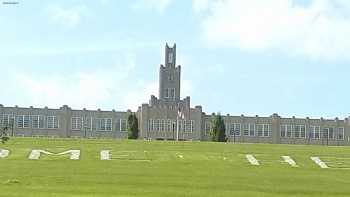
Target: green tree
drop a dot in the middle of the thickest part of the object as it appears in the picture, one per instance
(218, 129)
(3, 135)
(133, 126)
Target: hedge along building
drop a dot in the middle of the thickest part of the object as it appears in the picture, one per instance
(170, 117)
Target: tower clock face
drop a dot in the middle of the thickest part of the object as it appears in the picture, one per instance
(170, 57)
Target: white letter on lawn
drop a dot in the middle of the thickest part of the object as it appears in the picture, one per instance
(319, 162)
(290, 161)
(105, 155)
(4, 153)
(252, 160)
(35, 154)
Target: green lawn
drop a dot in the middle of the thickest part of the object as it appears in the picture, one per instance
(142, 168)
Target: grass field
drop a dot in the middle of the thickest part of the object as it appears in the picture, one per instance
(160, 168)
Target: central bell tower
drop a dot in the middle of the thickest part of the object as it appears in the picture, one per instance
(169, 76)
(168, 116)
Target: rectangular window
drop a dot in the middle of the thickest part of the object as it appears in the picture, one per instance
(52, 122)
(192, 126)
(207, 128)
(38, 122)
(35, 122)
(173, 125)
(296, 131)
(169, 125)
(328, 133)
(5, 120)
(331, 133)
(162, 125)
(123, 125)
(302, 131)
(166, 93)
(104, 124)
(263, 130)
(26, 121)
(325, 133)
(266, 130)
(340, 133)
(109, 124)
(283, 130)
(314, 132)
(157, 125)
(260, 129)
(101, 126)
(19, 121)
(289, 130)
(299, 131)
(8, 120)
(150, 125)
(251, 129)
(23, 121)
(231, 129)
(76, 123)
(317, 132)
(235, 129)
(188, 126)
(286, 130)
(184, 125)
(246, 129)
(172, 92)
(153, 125)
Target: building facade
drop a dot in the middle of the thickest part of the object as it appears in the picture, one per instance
(168, 117)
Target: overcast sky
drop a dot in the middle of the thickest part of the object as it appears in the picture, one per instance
(249, 57)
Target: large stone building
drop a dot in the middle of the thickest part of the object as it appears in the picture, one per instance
(169, 117)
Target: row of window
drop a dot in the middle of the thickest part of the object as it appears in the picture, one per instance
(169, 93)
(249, 129)
(102, 124)
(286, 131)
(26, 121)
(52, 122)
(168, 125)
(299, 131)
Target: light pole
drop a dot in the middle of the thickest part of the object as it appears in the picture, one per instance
(173, 130)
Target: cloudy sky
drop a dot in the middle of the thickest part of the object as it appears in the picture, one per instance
(238, 56)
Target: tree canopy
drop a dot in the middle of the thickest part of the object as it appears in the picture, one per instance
(133, 126)
(3, 135)
(218, 129)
